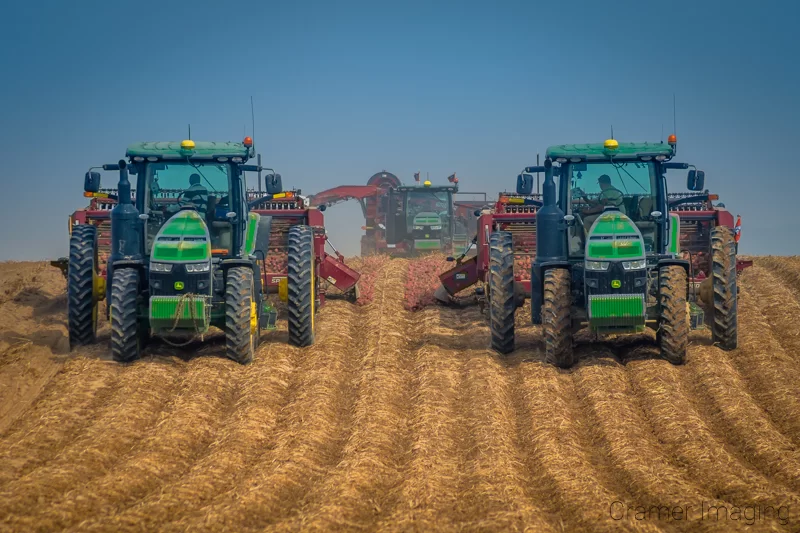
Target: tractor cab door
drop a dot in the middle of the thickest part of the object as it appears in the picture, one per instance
(396, 217)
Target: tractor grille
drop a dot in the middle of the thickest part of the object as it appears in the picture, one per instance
(610, 311)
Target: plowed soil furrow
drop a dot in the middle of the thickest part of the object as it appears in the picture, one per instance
(560, 453)
(309, 437)
(622, 430)
(113, 433)
(241, 441)
(687, 438)
(400, 421)
(429, 490)
(363, 485)
(738, 419)
(769, 344)
(497, 492)
(187, 426)
(63, 411)
(787, 269)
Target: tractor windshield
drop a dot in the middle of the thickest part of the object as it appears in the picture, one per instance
(428, 208)
(630, 186)
(204, 186)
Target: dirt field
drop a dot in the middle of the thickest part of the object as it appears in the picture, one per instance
(400, 421)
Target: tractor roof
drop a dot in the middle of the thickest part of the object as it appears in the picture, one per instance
(600, 152)
(432, 188)
(172, 150)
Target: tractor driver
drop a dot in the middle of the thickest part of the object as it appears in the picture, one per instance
(609, 196)
(196, 194)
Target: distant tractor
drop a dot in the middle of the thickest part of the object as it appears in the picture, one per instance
(607, 252)
(185, 253)
(405, 219)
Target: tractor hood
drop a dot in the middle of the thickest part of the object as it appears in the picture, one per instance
(614, 237)
(183, 238)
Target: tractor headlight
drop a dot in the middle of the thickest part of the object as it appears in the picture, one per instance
(436, 228)
(634, 265)
(419, 227)
(197, 267)
(160, 267)
(597, 265)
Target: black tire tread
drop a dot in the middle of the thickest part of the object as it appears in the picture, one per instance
(80, 285)
(724, 326)
(502, 304)
(239, 344)
(125, 339)
(557, 319)
(673, 331)
(301, 300)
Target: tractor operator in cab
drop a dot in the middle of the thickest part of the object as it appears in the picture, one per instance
(196, 194)
(609, 195)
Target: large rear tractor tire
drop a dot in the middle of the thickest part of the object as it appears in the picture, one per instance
(501, 291)
(724, 326)
(673, 330)
(241, 316)
(302, 284)
(126, 338)
(81, 303)
(557, 318)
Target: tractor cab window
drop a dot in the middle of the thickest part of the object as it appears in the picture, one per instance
(428, 208)
(630, 186)
(172, 186)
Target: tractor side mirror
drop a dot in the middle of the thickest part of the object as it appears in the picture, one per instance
(524, 184)
(274, 185)
(695, 180)
(91, 183)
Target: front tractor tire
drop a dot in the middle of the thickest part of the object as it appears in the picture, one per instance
(501, 291)
(81, 302)
(301, 284)
(724, 327)
(673, 330)
(241, 320)
(126, 338)
(556, 318)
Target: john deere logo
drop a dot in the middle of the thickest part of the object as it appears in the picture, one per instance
(616, 284)
(179, 285)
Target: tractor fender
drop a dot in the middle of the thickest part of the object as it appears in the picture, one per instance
(683, 263)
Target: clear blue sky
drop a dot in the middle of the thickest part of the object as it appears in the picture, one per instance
(345, 89)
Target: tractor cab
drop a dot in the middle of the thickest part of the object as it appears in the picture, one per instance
(422, 217)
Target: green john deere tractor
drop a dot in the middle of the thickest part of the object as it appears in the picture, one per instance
(607, 253)
(185, 253)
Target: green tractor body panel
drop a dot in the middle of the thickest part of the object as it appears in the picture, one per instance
(427, 244)
(184, 237)
(599, 151)
(251, 234)
(614, 237)
(615, 295)
(173, 150)
(174, 313)
(674, 244)
(183, 242)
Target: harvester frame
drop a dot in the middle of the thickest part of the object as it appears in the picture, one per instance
(174, 279)
(493, 264)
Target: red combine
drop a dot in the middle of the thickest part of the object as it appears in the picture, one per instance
(287, 209)
(516, 213)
